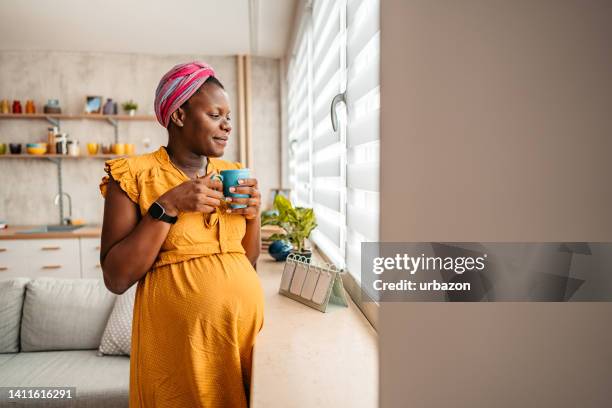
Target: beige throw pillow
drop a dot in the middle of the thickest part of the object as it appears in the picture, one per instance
(117, 337)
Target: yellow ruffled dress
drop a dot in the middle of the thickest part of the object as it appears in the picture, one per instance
(199, 309)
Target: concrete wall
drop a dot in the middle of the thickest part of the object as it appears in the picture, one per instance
(30, 185)
(266, 124)
(495, 126)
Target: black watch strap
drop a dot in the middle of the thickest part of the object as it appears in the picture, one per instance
(159, 213)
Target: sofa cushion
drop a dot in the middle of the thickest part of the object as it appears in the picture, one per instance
(5, 358)
(117, 337)
(11, 305)
(64, 314)
(99, 381)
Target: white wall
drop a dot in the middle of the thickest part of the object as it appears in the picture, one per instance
(29, 186)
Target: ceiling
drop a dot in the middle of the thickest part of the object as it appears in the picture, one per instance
(206, 27)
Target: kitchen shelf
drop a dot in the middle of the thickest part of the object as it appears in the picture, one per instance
(60, 156)
(62, 116)
(55, 118)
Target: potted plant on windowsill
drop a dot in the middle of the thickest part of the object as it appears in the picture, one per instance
(130, 107)
(297, 222)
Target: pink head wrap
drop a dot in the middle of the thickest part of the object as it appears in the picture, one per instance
(177, 86)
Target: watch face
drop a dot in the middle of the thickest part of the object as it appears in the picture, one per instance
(156, 210)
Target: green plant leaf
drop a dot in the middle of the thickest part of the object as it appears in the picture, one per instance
(297, 222)
(279, 237)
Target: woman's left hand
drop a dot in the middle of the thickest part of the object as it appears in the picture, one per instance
(247, 186)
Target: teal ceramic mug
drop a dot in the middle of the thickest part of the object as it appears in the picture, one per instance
(230, 178)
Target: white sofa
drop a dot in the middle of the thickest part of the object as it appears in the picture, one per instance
(50, 330)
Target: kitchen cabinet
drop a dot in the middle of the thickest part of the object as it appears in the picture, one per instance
(52, 257)
(90, 258)
(56, 257)
(12, 258)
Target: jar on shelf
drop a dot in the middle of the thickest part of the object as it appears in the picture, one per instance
(5, 106)
(73, 148)
(16, 106)
(61, 143)
(30, 107)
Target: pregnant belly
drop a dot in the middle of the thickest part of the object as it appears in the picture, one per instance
(221, 286)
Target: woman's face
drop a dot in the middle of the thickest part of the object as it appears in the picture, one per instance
(207, 123)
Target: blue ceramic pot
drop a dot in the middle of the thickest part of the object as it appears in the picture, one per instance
(280, 250)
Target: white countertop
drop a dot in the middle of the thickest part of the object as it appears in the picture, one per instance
(305, 358)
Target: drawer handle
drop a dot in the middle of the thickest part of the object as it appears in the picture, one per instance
(97, 248)
(3, 268)
(98, 266)
(52, 266)
(51, 248)
(3, 249)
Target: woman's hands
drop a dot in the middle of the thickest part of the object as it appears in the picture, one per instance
(247, 186)
(200, 195)
(206, 194)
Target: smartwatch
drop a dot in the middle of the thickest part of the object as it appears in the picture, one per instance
(159, 213)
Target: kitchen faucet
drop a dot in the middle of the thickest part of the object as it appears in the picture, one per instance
(56, 201)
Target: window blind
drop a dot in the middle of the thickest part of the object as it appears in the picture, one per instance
(298, 113)
(336, 172)
(328, 146)
(363, 128)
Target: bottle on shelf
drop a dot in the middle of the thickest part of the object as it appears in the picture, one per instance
(108, 107)
(51, 132)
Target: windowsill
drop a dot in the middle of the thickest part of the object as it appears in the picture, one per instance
(305, 358)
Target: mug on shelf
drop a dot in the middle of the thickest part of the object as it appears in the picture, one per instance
(130, 149)
(119, 149)
(106, 148)
(3, 148)
(92, 148)
(15, 148)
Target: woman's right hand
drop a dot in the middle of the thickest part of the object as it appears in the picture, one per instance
(200, 195)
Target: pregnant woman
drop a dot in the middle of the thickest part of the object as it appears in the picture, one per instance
(199, 302)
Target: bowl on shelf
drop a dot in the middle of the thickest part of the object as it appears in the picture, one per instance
(36, 148)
